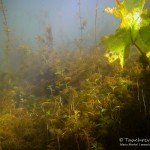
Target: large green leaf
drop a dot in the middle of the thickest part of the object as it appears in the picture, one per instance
(134, 30)
(128, 11)
(134, 5)
(117, 45)
(143, 37)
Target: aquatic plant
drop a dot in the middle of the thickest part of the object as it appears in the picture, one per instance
(81, 28)
(83, 23)
(133, 31)
(95, 28)
(7, 34)
(47, 40)
(73, 100)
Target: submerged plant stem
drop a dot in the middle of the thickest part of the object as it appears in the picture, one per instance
(81, 30)
(6, 30)
(95, 30)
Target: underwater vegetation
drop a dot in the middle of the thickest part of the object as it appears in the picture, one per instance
(79, 100)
